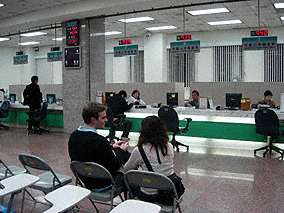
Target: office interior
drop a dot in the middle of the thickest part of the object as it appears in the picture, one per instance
(221, 66)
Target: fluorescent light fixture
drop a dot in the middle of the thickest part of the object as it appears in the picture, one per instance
(282, 18)
(58, 39)
(279, 5)
(138, 19)
(208, 11)
(112, 33)
(225, 22)
(169, 27)
(28, 43)
(33, 34)
(2, 5)
(4, 39)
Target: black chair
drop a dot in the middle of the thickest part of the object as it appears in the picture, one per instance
(170, 118)
(114, 123)
(4, 112)
(267, 123)
(35, 117)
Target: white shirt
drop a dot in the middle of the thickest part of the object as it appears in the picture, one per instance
(141, 102)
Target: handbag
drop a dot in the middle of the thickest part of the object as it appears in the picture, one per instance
(165, 196)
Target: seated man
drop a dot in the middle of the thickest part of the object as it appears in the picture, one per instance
(267, 100)
(194, 102)
(119, 105)
(86, 145)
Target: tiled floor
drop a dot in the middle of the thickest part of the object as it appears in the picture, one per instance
(219, 175)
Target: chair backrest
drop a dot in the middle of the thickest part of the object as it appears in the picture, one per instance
(8, 171)
(43, 111)
(5, 109)
(266, 122)
(170, 118)
(35, 162)
(90, 170)
(148, 179)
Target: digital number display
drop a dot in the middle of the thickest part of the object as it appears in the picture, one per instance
(72, 33)
(259, 33)
(124, 42)
(183, 37)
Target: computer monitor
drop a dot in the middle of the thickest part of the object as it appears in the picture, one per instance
(233, 100)
(51, 98)
(172, 99)
(12, 98)
(109, 95)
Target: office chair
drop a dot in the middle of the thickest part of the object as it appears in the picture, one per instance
(152, 180)
(113, 123)
(4, 112)
(170, 118)
(94, 170)
(49, 180)
(267, 123)
(35, 117)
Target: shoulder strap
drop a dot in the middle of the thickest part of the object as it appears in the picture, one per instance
(141, 150)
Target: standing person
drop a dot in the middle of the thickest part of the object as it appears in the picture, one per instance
(155, 142)
(86, 145)
(33, 98)
(119, 105)
(267, 100)
(135, 97)
(194, 102)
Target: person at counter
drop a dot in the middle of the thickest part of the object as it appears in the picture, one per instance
(194, 102)
(33, 98)
(119, 105)
(135, 97)
(2, 95)
(266, 101)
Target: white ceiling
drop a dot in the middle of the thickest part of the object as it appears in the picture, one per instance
(24, 15)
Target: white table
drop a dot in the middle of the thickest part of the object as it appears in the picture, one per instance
(66, 197)
(136, 206)
(16, 183)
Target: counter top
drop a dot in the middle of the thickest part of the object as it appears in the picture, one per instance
(50, 106)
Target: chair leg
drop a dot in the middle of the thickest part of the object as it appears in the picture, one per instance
(176, 144)
(269, 148)
(4, 126)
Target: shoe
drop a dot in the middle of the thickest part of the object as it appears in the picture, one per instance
(125, 139)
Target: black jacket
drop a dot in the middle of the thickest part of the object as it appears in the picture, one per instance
(119, 105)
(32, 96)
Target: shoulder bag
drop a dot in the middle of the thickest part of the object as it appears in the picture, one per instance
(165, 196)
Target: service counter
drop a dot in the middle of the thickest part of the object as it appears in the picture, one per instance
(17, 116)
(207, 123)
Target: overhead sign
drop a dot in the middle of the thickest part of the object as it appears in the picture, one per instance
(128, 50)
(54, 56)
(185, 47)
(21, 59)
(259, 43)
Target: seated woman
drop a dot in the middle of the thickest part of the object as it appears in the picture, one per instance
(267, 100)
(155, 142)
(135, 97)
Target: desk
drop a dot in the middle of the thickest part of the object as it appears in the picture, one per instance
(16, 183)
(17, 116)
(207, 123)
(66, 197)
(136, 206)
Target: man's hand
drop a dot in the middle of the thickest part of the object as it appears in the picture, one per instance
(121, 144)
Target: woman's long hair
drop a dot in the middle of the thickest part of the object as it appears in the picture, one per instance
(153, 131)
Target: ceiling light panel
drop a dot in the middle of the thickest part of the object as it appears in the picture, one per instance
(208, 11)
(28, 43)
(112, 33)
(4, 39)
(279, 5)
(1, 5)
(169, 27)
(33, 34)
(224, 22)
(137, 19)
